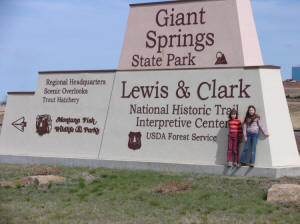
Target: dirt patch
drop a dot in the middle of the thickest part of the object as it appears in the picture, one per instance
(171, 187)
(291, 84)
(24, 182)
(44, 171)
(294, 109)
(33, 180)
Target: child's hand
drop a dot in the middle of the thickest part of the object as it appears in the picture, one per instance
(245, 139)
(240, 138)
(267, 135)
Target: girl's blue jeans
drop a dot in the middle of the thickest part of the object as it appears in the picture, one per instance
(251, 140)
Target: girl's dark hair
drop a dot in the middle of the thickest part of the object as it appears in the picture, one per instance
(250, 119)
(233, 111)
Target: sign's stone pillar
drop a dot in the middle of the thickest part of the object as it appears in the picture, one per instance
(190, 34)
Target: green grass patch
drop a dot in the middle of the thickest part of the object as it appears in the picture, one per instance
(123, 196)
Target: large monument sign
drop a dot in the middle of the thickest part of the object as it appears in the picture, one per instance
(183, 67)
(190, 34)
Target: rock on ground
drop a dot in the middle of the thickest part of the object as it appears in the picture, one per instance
(283, 193)
(86, 176)
(41, 180)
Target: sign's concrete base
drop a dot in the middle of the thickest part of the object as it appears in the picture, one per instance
(274, 172)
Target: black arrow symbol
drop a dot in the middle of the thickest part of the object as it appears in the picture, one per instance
(20, 124)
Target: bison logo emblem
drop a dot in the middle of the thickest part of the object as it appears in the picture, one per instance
(43, 124)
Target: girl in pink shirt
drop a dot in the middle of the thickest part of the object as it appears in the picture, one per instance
(251, 127)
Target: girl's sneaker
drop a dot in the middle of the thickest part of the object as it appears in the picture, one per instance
(229, 164)
(235, 164)
(251, 165)
(241, 164)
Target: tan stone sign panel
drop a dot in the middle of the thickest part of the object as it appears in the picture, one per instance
(65, 118)
(190, 34)
(167, 116)
(181, 116)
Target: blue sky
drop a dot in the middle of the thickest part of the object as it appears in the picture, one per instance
(40, 35)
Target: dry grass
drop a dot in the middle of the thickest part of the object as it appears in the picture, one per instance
(292, 91)
(295, 115)
(171, 187)
(44, 171)
(125, 197)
